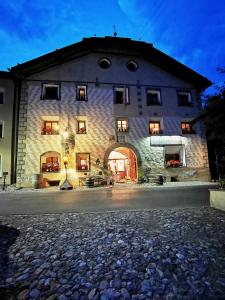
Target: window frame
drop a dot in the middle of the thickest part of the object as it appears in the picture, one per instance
(151, 90)
(117, 125)
(155, 122)
(185, 131)
(59, 162)
(1, 164)
(190, 99)
(43, 132)
(134, 63)
(85, 123)
(3, 129)
(2, 91)
(81, 86)
(89, 161)
(126, 94)
(44, 85)
(106, 59)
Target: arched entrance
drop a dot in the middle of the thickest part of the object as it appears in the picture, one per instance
(122, 161)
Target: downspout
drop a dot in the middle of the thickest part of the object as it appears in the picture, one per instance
(16, 106)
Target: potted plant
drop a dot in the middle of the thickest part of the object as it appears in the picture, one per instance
(217, 197)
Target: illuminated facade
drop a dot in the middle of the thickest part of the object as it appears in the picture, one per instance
(112, 103)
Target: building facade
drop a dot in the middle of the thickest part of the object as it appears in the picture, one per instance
(108, 106)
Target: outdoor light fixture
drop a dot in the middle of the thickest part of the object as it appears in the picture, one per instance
(65, 134)
(98, 162)
(66, 184)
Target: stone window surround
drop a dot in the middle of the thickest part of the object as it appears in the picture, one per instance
(152, 90)
(80, 87)
(3, 127)
(187, 93)
(52, 84)
(2, 91)
(126, 94)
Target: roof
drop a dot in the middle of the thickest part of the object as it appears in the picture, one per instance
(111, 45)
(5, 75)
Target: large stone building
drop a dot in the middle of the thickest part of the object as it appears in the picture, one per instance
(107, 102)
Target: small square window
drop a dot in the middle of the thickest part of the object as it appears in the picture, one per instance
(83, 162)
(186, 128)
(121, 139)
(153, 97)
(154, 128)
(121, 96)
(50, 92)
(81, 92)
(81, 127)
(184, 99)
(1, 97)
(122, 125)
(50, 128)
(1, 129)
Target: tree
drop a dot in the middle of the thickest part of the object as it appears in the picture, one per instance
(213, 117)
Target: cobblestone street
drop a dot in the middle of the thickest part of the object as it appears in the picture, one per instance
(157, 254)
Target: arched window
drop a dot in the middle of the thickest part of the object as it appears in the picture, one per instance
(50, 162)
(104, 63)
(132, 65)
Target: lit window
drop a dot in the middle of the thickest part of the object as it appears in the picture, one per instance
(122, 125)
(121, 96)
(1, 96)
(81, 127)
(1, 129)
(154, 128)
(81, 92)
(50, 127)
(83, 162)
(132, 65)
(184, 99)
(104, 63)
(186, 128)
(50, 92)
(50, 162)
(153, 97)
(175, 156)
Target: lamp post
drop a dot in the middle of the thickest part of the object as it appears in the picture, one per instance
(66, 184)
(65, 161)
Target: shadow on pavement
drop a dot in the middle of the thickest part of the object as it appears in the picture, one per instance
(8, 236)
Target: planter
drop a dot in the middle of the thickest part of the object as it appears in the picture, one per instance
(217, 199)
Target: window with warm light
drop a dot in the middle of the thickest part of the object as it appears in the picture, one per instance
(122, 125)
(121, 95)
(81, 92)
(50, 128)
(50, 162)
(186, 128)
(184, 98)
(154, 128)
(81, 127)
(50, 91)
(83, 162)
(153, 97)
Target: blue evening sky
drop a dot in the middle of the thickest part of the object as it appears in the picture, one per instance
(192, 32)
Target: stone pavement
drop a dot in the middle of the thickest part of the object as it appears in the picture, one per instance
(154, 254)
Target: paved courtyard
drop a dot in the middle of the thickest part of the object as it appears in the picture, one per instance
(151, 254)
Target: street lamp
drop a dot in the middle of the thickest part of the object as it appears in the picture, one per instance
(66, 184)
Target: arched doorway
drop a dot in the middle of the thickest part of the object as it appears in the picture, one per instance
(122, 162)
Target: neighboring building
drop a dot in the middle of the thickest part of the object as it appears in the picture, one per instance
(113, 102)
(6, 123)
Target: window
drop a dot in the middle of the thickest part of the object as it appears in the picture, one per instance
(2, 96)
(81, 127)
(132, 65)
(50, 162)
(175, 156)
(0, 165)
(83, 162)
(81, 92)
(184, 98)
(122, 125)
(121, 139)
(153, 97)
(1, 129)
(50, 127)
(121, 95)
(186, 128)
(154, 127)
(104, 63)
(50, 92)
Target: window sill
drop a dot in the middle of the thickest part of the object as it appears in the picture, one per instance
(50, 99)
(82, 100)
(45, 172)
(82, 133)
